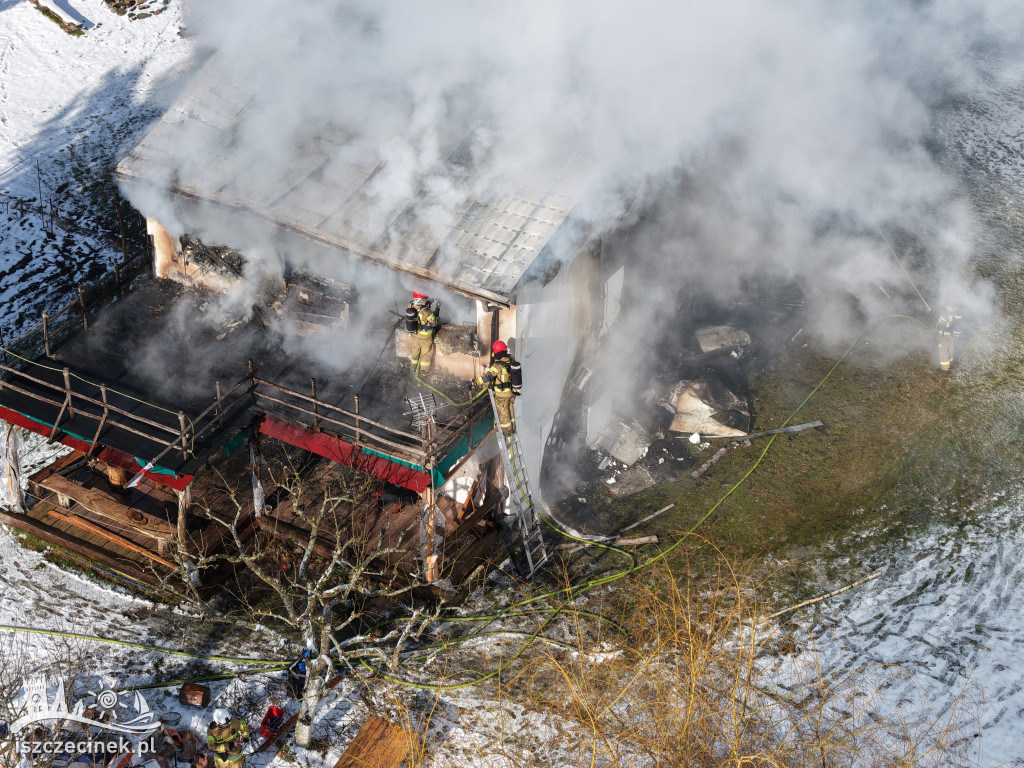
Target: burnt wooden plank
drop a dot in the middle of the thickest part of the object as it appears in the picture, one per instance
(392, 526)
(107, 507)
(92, 517)
(379, 744)
(291, 533)
(207, 539)
(148, 541)
(113, 538)
(462, 563)
(66, 460)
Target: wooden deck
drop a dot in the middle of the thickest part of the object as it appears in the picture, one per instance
(130, 533)
(386, 533)
(133, 533)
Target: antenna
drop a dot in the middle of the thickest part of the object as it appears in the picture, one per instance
(423, 410)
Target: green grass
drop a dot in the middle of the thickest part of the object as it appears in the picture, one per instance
(902, 446)
(70, 29)
(59, 557)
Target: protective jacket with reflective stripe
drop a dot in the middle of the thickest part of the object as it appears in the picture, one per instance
(497, 376)
(226, 741)
(427, 322)
(948, 324)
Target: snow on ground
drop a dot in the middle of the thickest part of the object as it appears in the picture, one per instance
(68, 106)
(948, 607)
(949, 610)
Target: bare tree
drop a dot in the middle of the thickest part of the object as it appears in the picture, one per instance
(62, 659)
(322, 559)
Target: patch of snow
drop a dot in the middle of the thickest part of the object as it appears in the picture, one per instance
(949, 611)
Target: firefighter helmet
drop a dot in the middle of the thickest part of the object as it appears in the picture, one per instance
(498, 347)
(221, 716)
(418, 295)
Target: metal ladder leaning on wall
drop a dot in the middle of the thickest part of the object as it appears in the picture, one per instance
(522, 534)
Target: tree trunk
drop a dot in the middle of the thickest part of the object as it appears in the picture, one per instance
(10, 467)
(316, 683)
(259, 498)
(184, 502)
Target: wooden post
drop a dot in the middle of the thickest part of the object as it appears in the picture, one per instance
(39, 181)
(103, 419)
(120, 220)
(316, 416)
(252, 381)
(181, 534)
(259, 497)
(81, 304)
(67, 392)
(184, 443)
(117, 476)
(357, 417)
(431, 567)
(46, 335)
(11, 459)
(220, 421)
(3, 347)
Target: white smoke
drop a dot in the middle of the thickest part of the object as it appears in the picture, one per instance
(753, 135)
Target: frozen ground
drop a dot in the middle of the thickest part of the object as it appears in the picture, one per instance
(68, 106)
(948, 608)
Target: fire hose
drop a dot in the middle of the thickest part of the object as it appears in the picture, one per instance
(569, 592)
(572, 592)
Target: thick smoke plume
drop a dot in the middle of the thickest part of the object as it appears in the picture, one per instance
(732, 137)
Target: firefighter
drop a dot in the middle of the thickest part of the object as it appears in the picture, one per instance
(297, 675)
(948, 327)
(422, 323)
(226, 737)
(504, 376)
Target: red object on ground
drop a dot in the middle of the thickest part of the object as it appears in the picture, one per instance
(271, 722)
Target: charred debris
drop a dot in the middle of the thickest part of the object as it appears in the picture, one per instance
(623, 440)
(204, 427)
(203, 431)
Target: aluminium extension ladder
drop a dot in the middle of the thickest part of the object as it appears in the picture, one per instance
(520, 527)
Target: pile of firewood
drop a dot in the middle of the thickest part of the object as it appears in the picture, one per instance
(137, 9)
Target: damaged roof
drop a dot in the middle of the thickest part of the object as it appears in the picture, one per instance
(479, 247)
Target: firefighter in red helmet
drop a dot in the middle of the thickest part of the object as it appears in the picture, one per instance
(504, 376)
(422, 322)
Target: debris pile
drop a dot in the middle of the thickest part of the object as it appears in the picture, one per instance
(624, 441)
(715, 337)
(707, 407)
(315, 303)
(137, 9)
(664, 460)
(218, 259)
(457, 339)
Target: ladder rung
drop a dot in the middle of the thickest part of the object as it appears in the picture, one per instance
(520, 498)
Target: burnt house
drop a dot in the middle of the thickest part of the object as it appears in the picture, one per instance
(159, 378)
